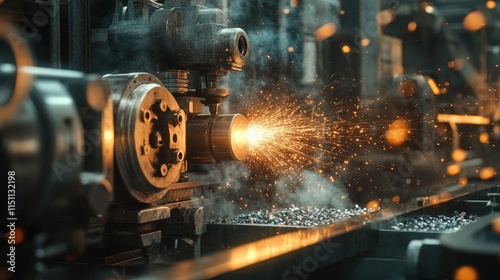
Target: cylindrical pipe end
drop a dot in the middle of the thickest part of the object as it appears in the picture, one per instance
(235, 47)
(215, 139)
(229, 137)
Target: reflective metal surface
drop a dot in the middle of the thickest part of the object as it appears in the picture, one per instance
(262, 250)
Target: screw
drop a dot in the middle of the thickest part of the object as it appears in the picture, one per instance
(163, 105)
(156, 139)
(145, 149)
(147, 116)
(176, 118)
(163, 170)
(176, 156)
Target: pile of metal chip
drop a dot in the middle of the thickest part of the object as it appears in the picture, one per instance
(439, 223)
(295, 216)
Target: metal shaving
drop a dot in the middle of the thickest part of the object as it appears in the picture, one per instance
(439, 223)
(295, 216)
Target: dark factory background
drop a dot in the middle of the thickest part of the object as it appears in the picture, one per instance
(280, 139)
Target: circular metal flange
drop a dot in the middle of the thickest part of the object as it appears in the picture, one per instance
(150, 133)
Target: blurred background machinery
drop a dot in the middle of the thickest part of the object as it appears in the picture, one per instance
(126, 160)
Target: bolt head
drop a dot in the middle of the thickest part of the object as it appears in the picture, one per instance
(176, 156)
(176, 118)
(163, 106)
(147, 116)
(163, 170)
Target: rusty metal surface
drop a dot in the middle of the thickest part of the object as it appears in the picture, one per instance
(266, 249)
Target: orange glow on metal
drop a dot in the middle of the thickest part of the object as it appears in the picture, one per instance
(241, 137)
(434, 87)
(258, 251)
(487, 173)
(466, 272)
(397, 133)
(434, 200)
(437, 199)
(325, 31)
(238, 257)
(474, 21)
(462, 119)
(109, 136)
(459, 155)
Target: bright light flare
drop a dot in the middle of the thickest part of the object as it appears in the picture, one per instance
(259, 135)
(240, 135)
(286, 135)
(283, 136)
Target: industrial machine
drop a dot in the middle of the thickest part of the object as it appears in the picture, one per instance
(360, 138)
(99, 161)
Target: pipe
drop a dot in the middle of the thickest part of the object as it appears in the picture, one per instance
(79, 34)
(55, 34)
(213, 140)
